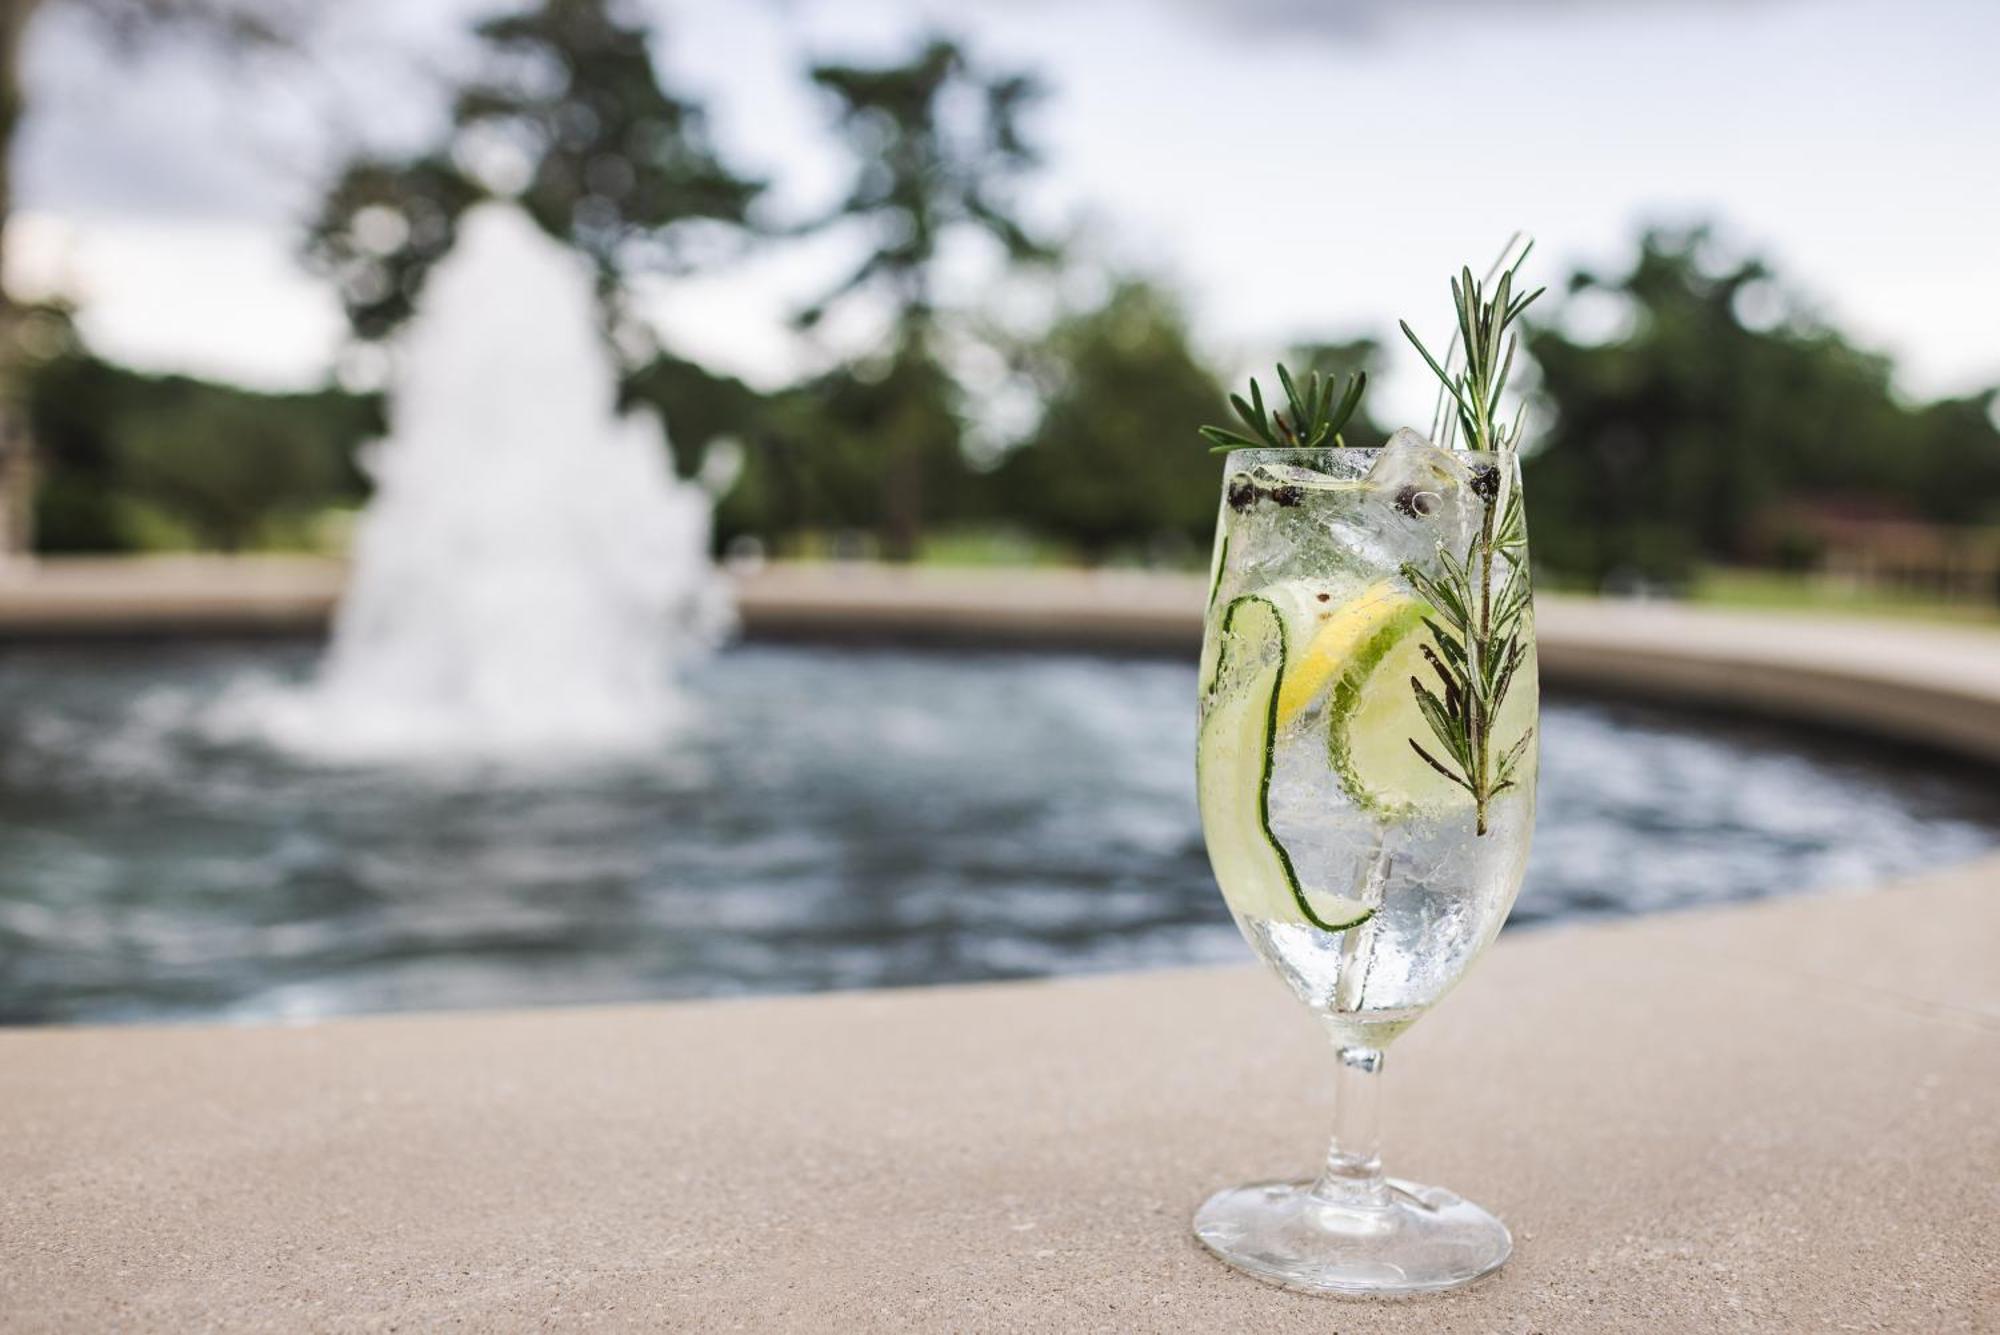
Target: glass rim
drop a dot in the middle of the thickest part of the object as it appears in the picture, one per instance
(1279, 451)
(1266, 451)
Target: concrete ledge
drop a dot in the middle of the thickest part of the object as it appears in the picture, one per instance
(1118, 610)
(1932, 686)
(95, 598)
(1935, 686)
(1777, 1117)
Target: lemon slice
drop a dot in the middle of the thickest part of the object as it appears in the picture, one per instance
(1233, 762)
(1336, 636)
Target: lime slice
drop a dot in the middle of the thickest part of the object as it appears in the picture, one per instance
(1233, 762)
(1372, 717)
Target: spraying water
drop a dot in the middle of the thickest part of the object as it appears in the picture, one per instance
(530, 567)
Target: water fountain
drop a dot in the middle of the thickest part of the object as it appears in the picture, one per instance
(531, 581)
(530, 568)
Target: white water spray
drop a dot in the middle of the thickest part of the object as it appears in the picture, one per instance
(530, 568)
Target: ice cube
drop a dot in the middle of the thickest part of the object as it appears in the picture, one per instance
(1281, 512)
(1419, 501)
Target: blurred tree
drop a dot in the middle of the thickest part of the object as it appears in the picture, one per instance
(135, 461)
(566, 114)
(1114, 464)
(703, 411)
(798, 475)
(1670, 442)
(938, 147)
(1114, 461)
(238, 470)
(233, 25)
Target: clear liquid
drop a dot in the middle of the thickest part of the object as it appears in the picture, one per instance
(1438, 890)
(1440, 894)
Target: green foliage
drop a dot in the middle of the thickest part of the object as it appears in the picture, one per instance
(811, 452)
(703, 412)
(132, 462)
(878, 446)
(938, 146)
(1119, 384)
(1478, 633)
(698, 407)
(617, 165)
(609, 160)
(1668, 445)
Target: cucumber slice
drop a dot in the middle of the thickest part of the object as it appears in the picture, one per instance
(1233, 763)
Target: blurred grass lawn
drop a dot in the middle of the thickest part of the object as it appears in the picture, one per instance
(1778, 591)
(1715, 586)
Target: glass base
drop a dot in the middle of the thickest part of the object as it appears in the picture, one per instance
(1415, 1239)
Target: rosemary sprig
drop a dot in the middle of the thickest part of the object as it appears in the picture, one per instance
(1489, 354)
(1479, 635)
(1477, 644)
(1316, 415)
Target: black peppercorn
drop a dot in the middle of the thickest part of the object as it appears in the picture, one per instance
(1242, 493)
(1288, 494)
(1486, 481)
(1416, 503)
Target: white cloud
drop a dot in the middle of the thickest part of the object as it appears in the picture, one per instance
(225, 300)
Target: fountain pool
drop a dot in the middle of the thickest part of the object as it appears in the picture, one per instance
(826, 819)
(529, 568)
(492, 789)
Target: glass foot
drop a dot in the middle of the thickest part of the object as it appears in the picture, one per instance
(1414, 1239)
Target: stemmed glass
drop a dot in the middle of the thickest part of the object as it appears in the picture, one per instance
(1366, 765)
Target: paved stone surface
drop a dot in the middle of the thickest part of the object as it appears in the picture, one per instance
(1779, 1117)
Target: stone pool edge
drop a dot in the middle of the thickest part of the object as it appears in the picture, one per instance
(1928, 685)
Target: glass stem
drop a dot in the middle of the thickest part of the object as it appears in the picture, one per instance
(1353, 1173)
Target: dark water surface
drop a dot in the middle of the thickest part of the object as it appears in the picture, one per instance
(828, 819)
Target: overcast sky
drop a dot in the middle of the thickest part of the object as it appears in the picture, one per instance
(1381, 144)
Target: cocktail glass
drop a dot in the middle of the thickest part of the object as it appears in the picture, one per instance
(1366, 763)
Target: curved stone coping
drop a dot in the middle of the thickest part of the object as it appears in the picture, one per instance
(1934, 686)
(1774, 1117)
(155, 597)
(1937, 686)
(1931, 685)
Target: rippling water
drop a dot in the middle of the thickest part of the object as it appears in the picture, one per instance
(828, 819)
